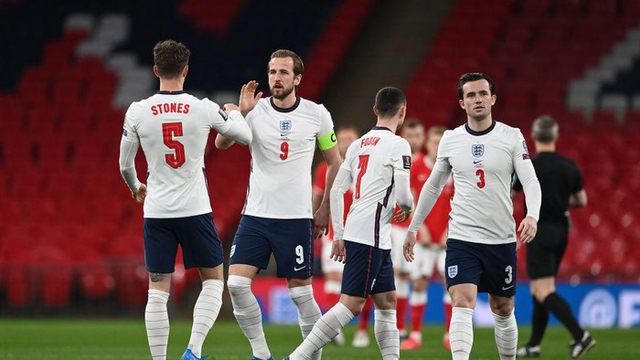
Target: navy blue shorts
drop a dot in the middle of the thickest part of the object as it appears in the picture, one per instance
(491, 267)
(290, 241)
(197, 235)
(368, 270)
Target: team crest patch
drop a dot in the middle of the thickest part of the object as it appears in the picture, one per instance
(477, 150)
(452, 271)
(124, 132)
(525, 155)
(285, 125)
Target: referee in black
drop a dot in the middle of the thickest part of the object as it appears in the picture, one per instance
(561, 184)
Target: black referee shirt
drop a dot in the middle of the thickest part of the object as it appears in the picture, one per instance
(559, 177)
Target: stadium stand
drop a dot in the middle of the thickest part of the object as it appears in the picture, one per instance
(65, 206)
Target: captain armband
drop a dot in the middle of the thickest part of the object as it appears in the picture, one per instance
(328, 141)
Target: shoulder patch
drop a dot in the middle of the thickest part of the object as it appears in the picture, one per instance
(406, 162)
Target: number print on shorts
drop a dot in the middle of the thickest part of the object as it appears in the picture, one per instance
(299, 254)
(509, 271)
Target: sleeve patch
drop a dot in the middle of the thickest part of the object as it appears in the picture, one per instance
(124, 132)
(406, 162)
(223, 114)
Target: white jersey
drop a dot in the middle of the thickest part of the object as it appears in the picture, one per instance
(483, 164)
(173, 129)
(284, 141)
(372, 161)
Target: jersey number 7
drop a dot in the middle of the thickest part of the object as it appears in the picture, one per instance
(169, 130)
(362, 165)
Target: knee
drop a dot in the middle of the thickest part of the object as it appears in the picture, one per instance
(463, 300)
(502, 308)
(238, 284)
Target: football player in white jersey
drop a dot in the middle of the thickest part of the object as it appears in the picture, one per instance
(483, 154)
(378, 165)
(173, 127)
(277, 217)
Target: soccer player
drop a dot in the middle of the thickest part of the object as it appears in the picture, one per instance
(332, 270)
(378, 165)
(481, 247)
(173, 127)
(561, 184)
(277, 217)
(431, 246)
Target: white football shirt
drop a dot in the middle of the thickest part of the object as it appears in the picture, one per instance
(483, 164)
(284, 141)
(173, 129)
(372, 161)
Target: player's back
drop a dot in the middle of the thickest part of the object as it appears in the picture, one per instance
(372, 160)
(559, 177)
(173, 129)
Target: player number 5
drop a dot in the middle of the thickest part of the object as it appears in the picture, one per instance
(169, 130)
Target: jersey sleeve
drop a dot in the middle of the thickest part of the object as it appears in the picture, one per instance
(232, 125)
(527, 176)
(577, 179)
(326, 136)
(401, 157)
(129, 128)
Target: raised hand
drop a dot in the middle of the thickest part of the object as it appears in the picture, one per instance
(248, 97)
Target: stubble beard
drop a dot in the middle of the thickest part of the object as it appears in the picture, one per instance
(285, 92)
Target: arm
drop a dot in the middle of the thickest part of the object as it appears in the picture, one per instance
(128, 150)
(321, 216)
(533, 197)
(342, 183)
(247, 101)
(578, 199)
(319, 179)
(429, 194)
(234, 128)
(404, 199)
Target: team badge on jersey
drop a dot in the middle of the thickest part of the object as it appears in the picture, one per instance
(477, 150)
(285, 126)
(124, 132)
(406, 162)
(452, 271)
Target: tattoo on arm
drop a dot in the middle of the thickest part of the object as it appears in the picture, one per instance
(156, 277)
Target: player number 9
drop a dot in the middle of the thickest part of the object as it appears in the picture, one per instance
(284, 147)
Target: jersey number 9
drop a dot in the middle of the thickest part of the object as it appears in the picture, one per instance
(169, 130)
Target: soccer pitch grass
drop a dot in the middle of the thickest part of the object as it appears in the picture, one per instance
(126, 339)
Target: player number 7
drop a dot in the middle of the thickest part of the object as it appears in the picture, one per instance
(362, 165)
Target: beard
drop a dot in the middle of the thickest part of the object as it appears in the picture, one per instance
(283, 94)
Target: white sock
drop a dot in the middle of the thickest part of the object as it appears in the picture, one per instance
(387, 336)
(248, 314)
(205, 313)
(506, 333)
(156, 319)
(461, 333)
(308, 311)
(325, 329)
(418, 298)
(402, 288)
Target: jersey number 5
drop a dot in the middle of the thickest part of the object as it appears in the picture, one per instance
(362, 165)
(480, 175)
(169, 130)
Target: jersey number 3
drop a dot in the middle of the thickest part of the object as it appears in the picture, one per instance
(480, 175)
(169, 130)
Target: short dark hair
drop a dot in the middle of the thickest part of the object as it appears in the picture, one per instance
(389, 100)
(298, 65)
(468, 77)
(170, 57)
(544, 129)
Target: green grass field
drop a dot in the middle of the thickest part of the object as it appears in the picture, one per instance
(125, 339)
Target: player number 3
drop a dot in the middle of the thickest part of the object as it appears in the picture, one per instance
(480, 175)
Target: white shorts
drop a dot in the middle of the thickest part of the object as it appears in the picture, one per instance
(428, 257)
(398, 233)
(329, 265)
